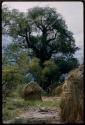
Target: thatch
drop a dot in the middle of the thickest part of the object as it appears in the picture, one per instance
(32, 91)
(73, 97)
(57, 91)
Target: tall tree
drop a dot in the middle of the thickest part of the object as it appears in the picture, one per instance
(41, 29)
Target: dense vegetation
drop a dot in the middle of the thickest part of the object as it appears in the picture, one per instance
(42, 52)
(42, 48)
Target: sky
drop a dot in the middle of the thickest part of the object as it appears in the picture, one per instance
(72, 13)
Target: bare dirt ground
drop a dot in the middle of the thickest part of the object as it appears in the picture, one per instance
(43, 114)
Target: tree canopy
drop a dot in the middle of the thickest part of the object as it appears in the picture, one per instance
(43, 30)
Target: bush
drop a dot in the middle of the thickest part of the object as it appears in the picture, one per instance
(10, 79)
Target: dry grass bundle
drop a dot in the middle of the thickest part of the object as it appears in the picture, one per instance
(57, 91)
(32, 91)
(73, 96)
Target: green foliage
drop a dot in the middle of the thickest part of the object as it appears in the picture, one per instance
(66, 64)
(44, 31)
(9, 74)
(35, 68)
(11, 53)
(23, 62)
(11, 108)
(49, 71)
(10, 79)
(50, 68)
(52, 35)
(15, 56)
(44, 70)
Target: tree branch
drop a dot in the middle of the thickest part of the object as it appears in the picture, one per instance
(52, 38)
(21, 35)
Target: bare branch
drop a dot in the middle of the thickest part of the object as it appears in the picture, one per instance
(52, 38)
(22, 35)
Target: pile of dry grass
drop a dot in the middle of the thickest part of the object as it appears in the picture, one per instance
(72, 102)
(58, 90)
(32, 91)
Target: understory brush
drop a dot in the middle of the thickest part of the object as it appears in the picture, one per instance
(15, 105)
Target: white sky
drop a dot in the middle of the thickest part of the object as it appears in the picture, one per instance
(72, 13)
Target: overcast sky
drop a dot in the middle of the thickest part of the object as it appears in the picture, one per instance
(72, 13)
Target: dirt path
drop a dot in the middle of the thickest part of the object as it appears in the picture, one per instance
(39, 115)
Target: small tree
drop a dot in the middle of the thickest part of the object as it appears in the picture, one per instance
(48, 73)
(35, 69)
(10, 79)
